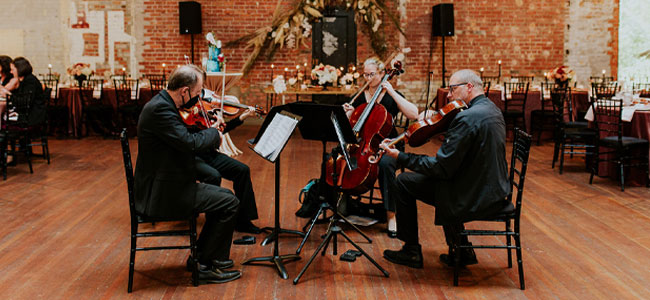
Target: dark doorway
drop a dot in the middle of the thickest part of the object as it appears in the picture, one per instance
(334, 42)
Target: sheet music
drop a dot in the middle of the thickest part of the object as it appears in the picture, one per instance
(275, 136)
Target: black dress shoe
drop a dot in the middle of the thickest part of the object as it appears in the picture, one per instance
(467, 257)
(410, 256)
(248, 227)
(217, 276)
(216, 264)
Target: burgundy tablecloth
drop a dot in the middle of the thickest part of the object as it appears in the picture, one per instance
(580, 101)
(70, 97)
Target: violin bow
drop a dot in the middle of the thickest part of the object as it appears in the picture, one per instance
(387, 62)
(223, 88)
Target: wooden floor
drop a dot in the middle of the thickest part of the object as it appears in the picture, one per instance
(64, 233)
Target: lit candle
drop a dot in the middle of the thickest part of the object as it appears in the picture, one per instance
(285, 72)
(545, 77)
(604, 71)
(481, 71)
(272, 66)
(297, 69)
(499, 62)
(49, 66)
(163, 66)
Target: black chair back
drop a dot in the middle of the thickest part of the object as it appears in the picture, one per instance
(522, 78)
(87, 91)
(486, 88)
(160, 77)
(518, 167)
(53, 84)
(19, 103)
(601, 79)
(607, 117)
(157, 85)
(516, 94)
(128, 170)
(643, 89)
(126, 91)
(490, 79)
(605, 90)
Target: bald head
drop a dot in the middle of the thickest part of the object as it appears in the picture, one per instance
(469, 76)
(185, 76)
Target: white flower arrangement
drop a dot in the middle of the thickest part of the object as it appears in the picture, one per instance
(347, 79)
(324, 74)
(279, 86)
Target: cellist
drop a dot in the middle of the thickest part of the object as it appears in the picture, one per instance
(394, 102)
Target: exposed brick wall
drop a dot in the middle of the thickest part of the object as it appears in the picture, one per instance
(529, 36)
(91, 44)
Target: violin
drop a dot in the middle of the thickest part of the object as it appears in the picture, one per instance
(231, 104)
(420, 132)
(200, 115)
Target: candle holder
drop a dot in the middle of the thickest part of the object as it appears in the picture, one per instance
(499, 78)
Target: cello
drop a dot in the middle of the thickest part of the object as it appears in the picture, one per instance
(371, 124)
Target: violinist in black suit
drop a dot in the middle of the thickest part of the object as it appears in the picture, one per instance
(165, 175)
(465, 180)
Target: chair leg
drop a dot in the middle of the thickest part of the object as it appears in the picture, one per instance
(622, 167)
(132, 259)
(556, 148)
(508, 243)
(562, 157)
(46, 148)
(193, 251)
(520, 264)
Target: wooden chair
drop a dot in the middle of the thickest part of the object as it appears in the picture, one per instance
(576, 136)
(157, 85)
(516, 94)
(511, 214)
(57, 114)
(607, 117)
(138, 218)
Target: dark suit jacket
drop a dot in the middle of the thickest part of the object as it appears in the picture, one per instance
(37, 112)
(165, 184)
(470, 169)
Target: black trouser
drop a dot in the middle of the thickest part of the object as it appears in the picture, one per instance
(410, 186)
(387, 168)
(220, 208)
(211, 167)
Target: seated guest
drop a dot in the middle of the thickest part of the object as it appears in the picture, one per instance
(7, 81)
(212, 165)
(466, 179)
(165, 174)
(28, 83)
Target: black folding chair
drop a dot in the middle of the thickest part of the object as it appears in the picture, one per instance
(138, 218)
(510, 214)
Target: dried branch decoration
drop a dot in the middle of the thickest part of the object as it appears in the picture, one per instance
(292, 28)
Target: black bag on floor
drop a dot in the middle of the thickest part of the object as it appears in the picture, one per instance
(309, 198)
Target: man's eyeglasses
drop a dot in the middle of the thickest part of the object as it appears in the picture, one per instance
(454, 86)
(369, 75)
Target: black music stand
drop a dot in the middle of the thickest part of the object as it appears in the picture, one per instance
(340, 125)
(316, 125)
(276, 258)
